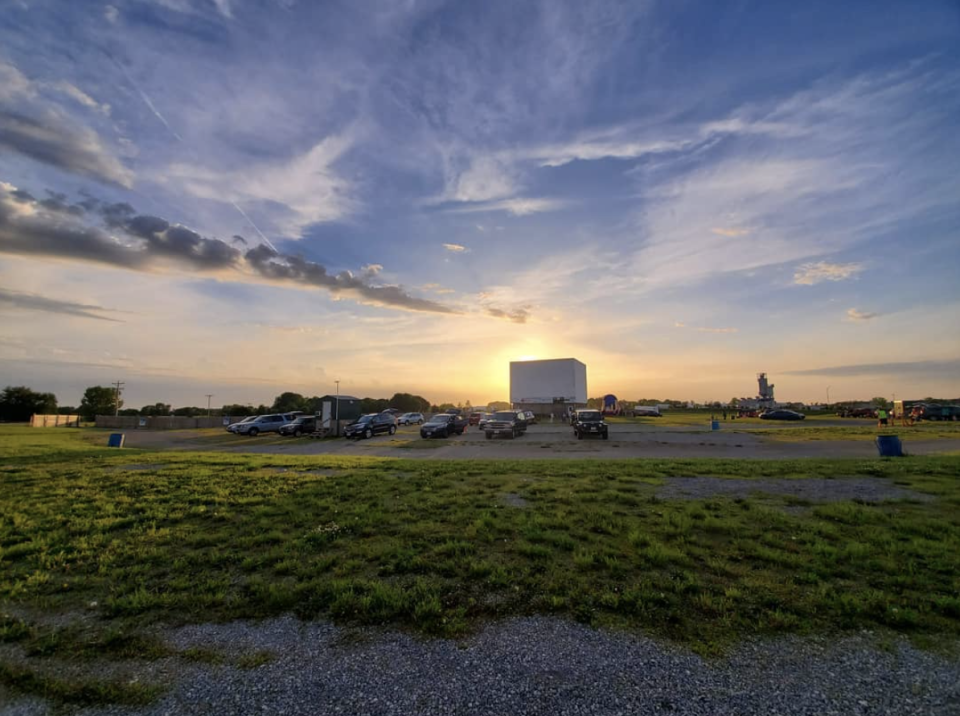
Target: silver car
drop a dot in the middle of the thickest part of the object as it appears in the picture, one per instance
(262, 424)
(410, 419)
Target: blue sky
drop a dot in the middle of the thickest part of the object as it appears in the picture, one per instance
(247, 196)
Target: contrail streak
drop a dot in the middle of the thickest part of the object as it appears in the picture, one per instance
(163, 120)
(255, 228)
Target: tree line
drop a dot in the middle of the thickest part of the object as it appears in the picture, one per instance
(19, 403)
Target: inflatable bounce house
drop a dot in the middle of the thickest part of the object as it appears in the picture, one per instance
(611, 406)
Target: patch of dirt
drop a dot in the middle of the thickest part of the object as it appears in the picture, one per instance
(514, 500)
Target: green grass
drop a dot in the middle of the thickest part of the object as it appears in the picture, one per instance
(434, 546)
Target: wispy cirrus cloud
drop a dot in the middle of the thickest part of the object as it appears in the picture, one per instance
(519, 206)
(456, 248)
(40, 130)
(810, 274)
(36, 302)
(732, 233)
(705, 329)
(855, 314)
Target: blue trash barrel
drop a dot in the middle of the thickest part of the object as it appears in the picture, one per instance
(889, 446)
(116, 440)
(714, 424)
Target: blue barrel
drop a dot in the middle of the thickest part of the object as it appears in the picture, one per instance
(889, 446)
(116, 440)
(714, 424)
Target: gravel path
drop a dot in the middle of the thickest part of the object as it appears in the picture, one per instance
(813, 489)
(541, 666)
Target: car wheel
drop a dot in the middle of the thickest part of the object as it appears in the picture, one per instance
(393, 429)
(253, 432)
(419, 422)
(368, 433)
(297, 433)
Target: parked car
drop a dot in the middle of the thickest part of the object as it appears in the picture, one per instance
(941, 412)
(410, 419)
(484, 419)
(300, 425)
(782, 414)
(232, 427)
(647, 411)
(505, 422)
(366, 426)
(529, 417)
(474, 418)
(589, 422)
(443, 425)
(262, 424)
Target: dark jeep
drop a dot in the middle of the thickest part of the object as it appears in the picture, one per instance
(589, 422)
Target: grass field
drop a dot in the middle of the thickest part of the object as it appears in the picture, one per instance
(96, 545)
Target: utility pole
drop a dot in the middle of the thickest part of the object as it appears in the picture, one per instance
(336, 409)
(209, 395)
(116, 400)
(828, 395)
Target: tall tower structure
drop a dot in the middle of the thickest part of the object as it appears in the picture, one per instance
(765, 391)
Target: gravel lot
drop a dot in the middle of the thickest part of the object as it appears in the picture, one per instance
(539, 666)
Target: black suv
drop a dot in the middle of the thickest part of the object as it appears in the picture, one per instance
(366, 426)
(301, 424)
(443, 426)
(505, 422)
(589, 422)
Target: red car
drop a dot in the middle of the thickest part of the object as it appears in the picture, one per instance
(474, 418)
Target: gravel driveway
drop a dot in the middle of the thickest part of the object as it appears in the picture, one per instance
(543, 666)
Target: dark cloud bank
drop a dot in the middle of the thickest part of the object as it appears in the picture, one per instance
(115, 234)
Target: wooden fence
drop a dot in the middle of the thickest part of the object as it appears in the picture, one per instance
(55, 421)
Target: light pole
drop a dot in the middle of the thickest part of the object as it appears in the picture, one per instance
(828, 395)
(209, 395)
(337, 408)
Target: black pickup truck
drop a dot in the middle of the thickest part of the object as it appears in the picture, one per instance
(509, 423)
(443, 425)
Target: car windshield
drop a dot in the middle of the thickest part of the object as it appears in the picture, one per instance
(589, 415)
(365, 418)
(249, 420)
(505, 415)
(442, 418)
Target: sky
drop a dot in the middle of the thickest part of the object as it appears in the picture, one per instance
(243, 197)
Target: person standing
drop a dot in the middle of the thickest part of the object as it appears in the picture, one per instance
(881, 416)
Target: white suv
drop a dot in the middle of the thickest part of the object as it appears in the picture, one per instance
(410, 419)
(263, 424)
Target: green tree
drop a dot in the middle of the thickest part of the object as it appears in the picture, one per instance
(66, 410)
(237, 410)
(189, 411)
(18, 403)
(99, 400)
(407, 403)
(155, 409)
(373, 405)
(880, 402)
(288, 402)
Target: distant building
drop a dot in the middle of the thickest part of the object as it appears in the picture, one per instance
(548, 387)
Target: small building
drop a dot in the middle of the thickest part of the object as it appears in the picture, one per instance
(548, 387)
(348, 408)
